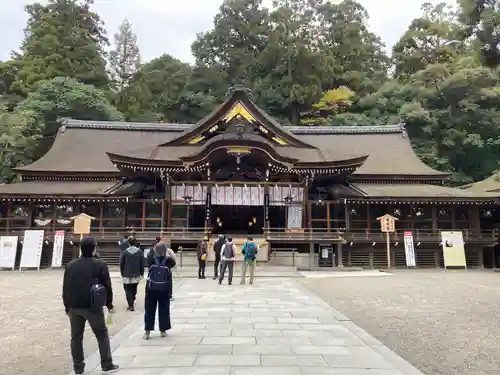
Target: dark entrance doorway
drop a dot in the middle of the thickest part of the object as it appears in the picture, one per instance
(237, 219)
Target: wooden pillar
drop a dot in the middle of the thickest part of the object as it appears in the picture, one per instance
(9, 212)
(168, 200)
(101, 212)
(54, 216)
(328, 219)
(475, 218)
(435, 228)
(143, 214)
(347, 214)
(339, 255)
(208, 209)
(266, 207)
(368, 219)
(307, 215)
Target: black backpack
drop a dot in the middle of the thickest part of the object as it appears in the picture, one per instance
(98, 296)
(159, 277)
(98, 292)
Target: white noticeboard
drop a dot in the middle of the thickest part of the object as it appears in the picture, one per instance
(409, 250)
(32, 249)
(8, 250)
(57, 250)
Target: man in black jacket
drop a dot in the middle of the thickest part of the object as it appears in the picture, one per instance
(132, 270)
(217, 249)
(80, 275)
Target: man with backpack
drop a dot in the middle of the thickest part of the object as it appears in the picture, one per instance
(249, 252)
(228, 253)
(86, 291)
(221, 240)
(158, 291)
(132, 271)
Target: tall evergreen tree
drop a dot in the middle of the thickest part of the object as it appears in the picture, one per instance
(62, 38)
(125, 58)
(239, 35)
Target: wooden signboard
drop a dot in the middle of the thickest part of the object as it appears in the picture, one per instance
(388, 226)
(81, 225)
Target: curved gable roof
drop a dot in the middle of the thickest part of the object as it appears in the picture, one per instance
(81, 147)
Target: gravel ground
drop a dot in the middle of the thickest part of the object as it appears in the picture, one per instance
(34, 331)
(443, 322)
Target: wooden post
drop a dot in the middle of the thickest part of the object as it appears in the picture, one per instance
(388, 226)
(388, 242)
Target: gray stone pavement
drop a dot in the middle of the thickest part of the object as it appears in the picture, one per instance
(273, 327)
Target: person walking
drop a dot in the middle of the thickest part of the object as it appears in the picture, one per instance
(201, 255)
(228, 253)
(221, 240)
(249, 252)
(86, 291)
(158, 292)
(132, 271)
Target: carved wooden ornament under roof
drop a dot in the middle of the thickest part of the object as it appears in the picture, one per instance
(240, 115)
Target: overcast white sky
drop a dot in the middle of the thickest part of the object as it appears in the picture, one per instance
(170, 26)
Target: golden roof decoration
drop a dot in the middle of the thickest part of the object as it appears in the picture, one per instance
(238, 109)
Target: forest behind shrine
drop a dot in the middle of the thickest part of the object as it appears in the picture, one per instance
(307, 62)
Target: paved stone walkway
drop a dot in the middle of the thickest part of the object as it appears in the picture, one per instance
(274, 327)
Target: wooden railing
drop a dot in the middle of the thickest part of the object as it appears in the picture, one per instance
(423, 235)
(271, 234)
(301, 235)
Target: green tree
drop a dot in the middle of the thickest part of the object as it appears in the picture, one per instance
(482, 20)
(239, 35)
(125, 58)
(291, 67)
(65, 97)
(63, 38)
(8, 96)
(433, 38)
(19, 136)
(356, 56)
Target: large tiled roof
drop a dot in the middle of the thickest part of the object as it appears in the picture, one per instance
(59, 188)
(490, 184)
(81, 146)
(374, 190)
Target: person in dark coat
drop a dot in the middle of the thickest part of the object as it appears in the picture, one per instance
(158, 298)
(221, 240)
(80, 276)
(132, 271)
(201, 255)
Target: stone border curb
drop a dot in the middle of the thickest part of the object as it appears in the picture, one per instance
(390, 356)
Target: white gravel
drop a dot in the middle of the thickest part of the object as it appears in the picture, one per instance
(443, 322)
(34, 331)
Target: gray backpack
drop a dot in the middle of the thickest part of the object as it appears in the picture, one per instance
(228, 251)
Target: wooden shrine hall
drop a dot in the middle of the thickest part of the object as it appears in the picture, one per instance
(297, 190)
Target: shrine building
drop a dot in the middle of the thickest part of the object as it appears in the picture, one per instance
(298, 190)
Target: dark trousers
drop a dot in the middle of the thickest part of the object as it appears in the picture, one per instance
(201, 268)
(97, 322)
(229, 264)
(216, 268)
(162, 300)
(130, 293)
